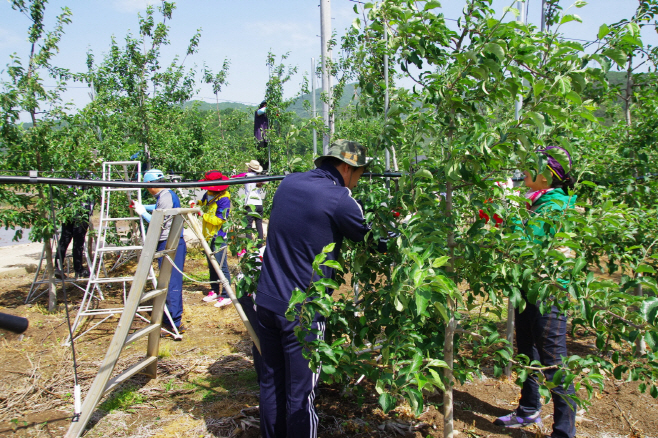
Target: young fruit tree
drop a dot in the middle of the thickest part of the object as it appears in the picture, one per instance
(426, 314)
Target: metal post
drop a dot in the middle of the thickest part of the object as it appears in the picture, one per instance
(325, 21)
(315, 133)
(387, 152)
(543, 15)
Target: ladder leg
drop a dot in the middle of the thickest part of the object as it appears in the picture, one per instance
(100, 384)
(159, 302)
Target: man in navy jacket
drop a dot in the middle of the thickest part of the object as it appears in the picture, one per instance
(309, 211)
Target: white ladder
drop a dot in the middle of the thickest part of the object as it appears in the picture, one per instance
(41, 275)
(98, 274)
(104, 382)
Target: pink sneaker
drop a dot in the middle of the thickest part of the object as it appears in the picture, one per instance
(212, 296)
(221, 302)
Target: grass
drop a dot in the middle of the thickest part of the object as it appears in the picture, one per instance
(213, 388)
(164, 351)
(122, 399)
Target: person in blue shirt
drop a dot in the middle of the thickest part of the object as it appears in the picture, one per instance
(310, 210)
(166, 198)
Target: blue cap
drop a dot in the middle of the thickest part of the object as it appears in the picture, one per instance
(153, 175)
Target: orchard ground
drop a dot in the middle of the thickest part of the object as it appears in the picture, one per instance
(206, 385)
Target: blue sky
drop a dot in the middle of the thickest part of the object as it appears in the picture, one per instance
(243, 31)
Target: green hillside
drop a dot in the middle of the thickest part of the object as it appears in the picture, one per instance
(208, 106)
(298, 105)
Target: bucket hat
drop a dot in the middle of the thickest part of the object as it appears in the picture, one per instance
(349, 152)
(255, 166)
(214, 175)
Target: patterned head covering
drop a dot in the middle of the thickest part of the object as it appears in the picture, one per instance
(554, 166)
(349, 152)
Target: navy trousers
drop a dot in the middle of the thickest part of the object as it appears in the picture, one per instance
(287, 385)
(76, 232)
(247, 304)
(544, 338)
(224, 265)
(175, 292)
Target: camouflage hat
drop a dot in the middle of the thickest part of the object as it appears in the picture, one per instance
(349, 152)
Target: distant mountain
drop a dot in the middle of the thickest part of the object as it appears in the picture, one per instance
(208, 106)
(298, 105)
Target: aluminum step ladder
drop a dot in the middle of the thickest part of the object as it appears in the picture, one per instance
(126, 249)
(104, 383)
(41, 275)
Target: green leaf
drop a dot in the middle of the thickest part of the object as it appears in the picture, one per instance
(431, 5)
(416, 363)
(328, 368)
(436, 379)
(570, 17)
(651, 339)
(329, 248)
(415, 400)
(650, 309)
(574, 97)
(333, 264)
(422, 295)
(603, 31)
(496, 49)
(328, 282)
(537, 119)
(538, 87)
(387, 402)
(578, 266)
(442, 310)
(424, 173)
(440, 261)
(616, 55)
(645, 268)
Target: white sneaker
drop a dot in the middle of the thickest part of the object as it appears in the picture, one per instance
(212, 296)
(221, 302)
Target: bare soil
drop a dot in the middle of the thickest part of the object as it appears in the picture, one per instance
(206, 385)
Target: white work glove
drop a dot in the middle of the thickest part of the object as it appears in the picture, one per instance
(139, 208)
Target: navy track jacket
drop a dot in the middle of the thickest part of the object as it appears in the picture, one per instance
(310, 210)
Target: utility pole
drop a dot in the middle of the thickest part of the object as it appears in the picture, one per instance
(315, 133)
(543, 15)
(387, 153)
(325, 22)
(517, 115)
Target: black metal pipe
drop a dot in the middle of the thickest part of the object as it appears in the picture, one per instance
(127, 184)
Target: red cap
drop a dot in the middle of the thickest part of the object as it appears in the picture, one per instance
(214, 175)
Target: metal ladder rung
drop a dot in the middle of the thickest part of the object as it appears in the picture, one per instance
(120, 248)
(128, 373)
(114, 310)
(141, 333)
(150, 295)
(112, 219)
(159, 254)
(112, 279)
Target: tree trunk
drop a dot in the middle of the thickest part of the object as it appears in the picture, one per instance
(510, 334)
(52, 289)
(640, 344)
(448, 351)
